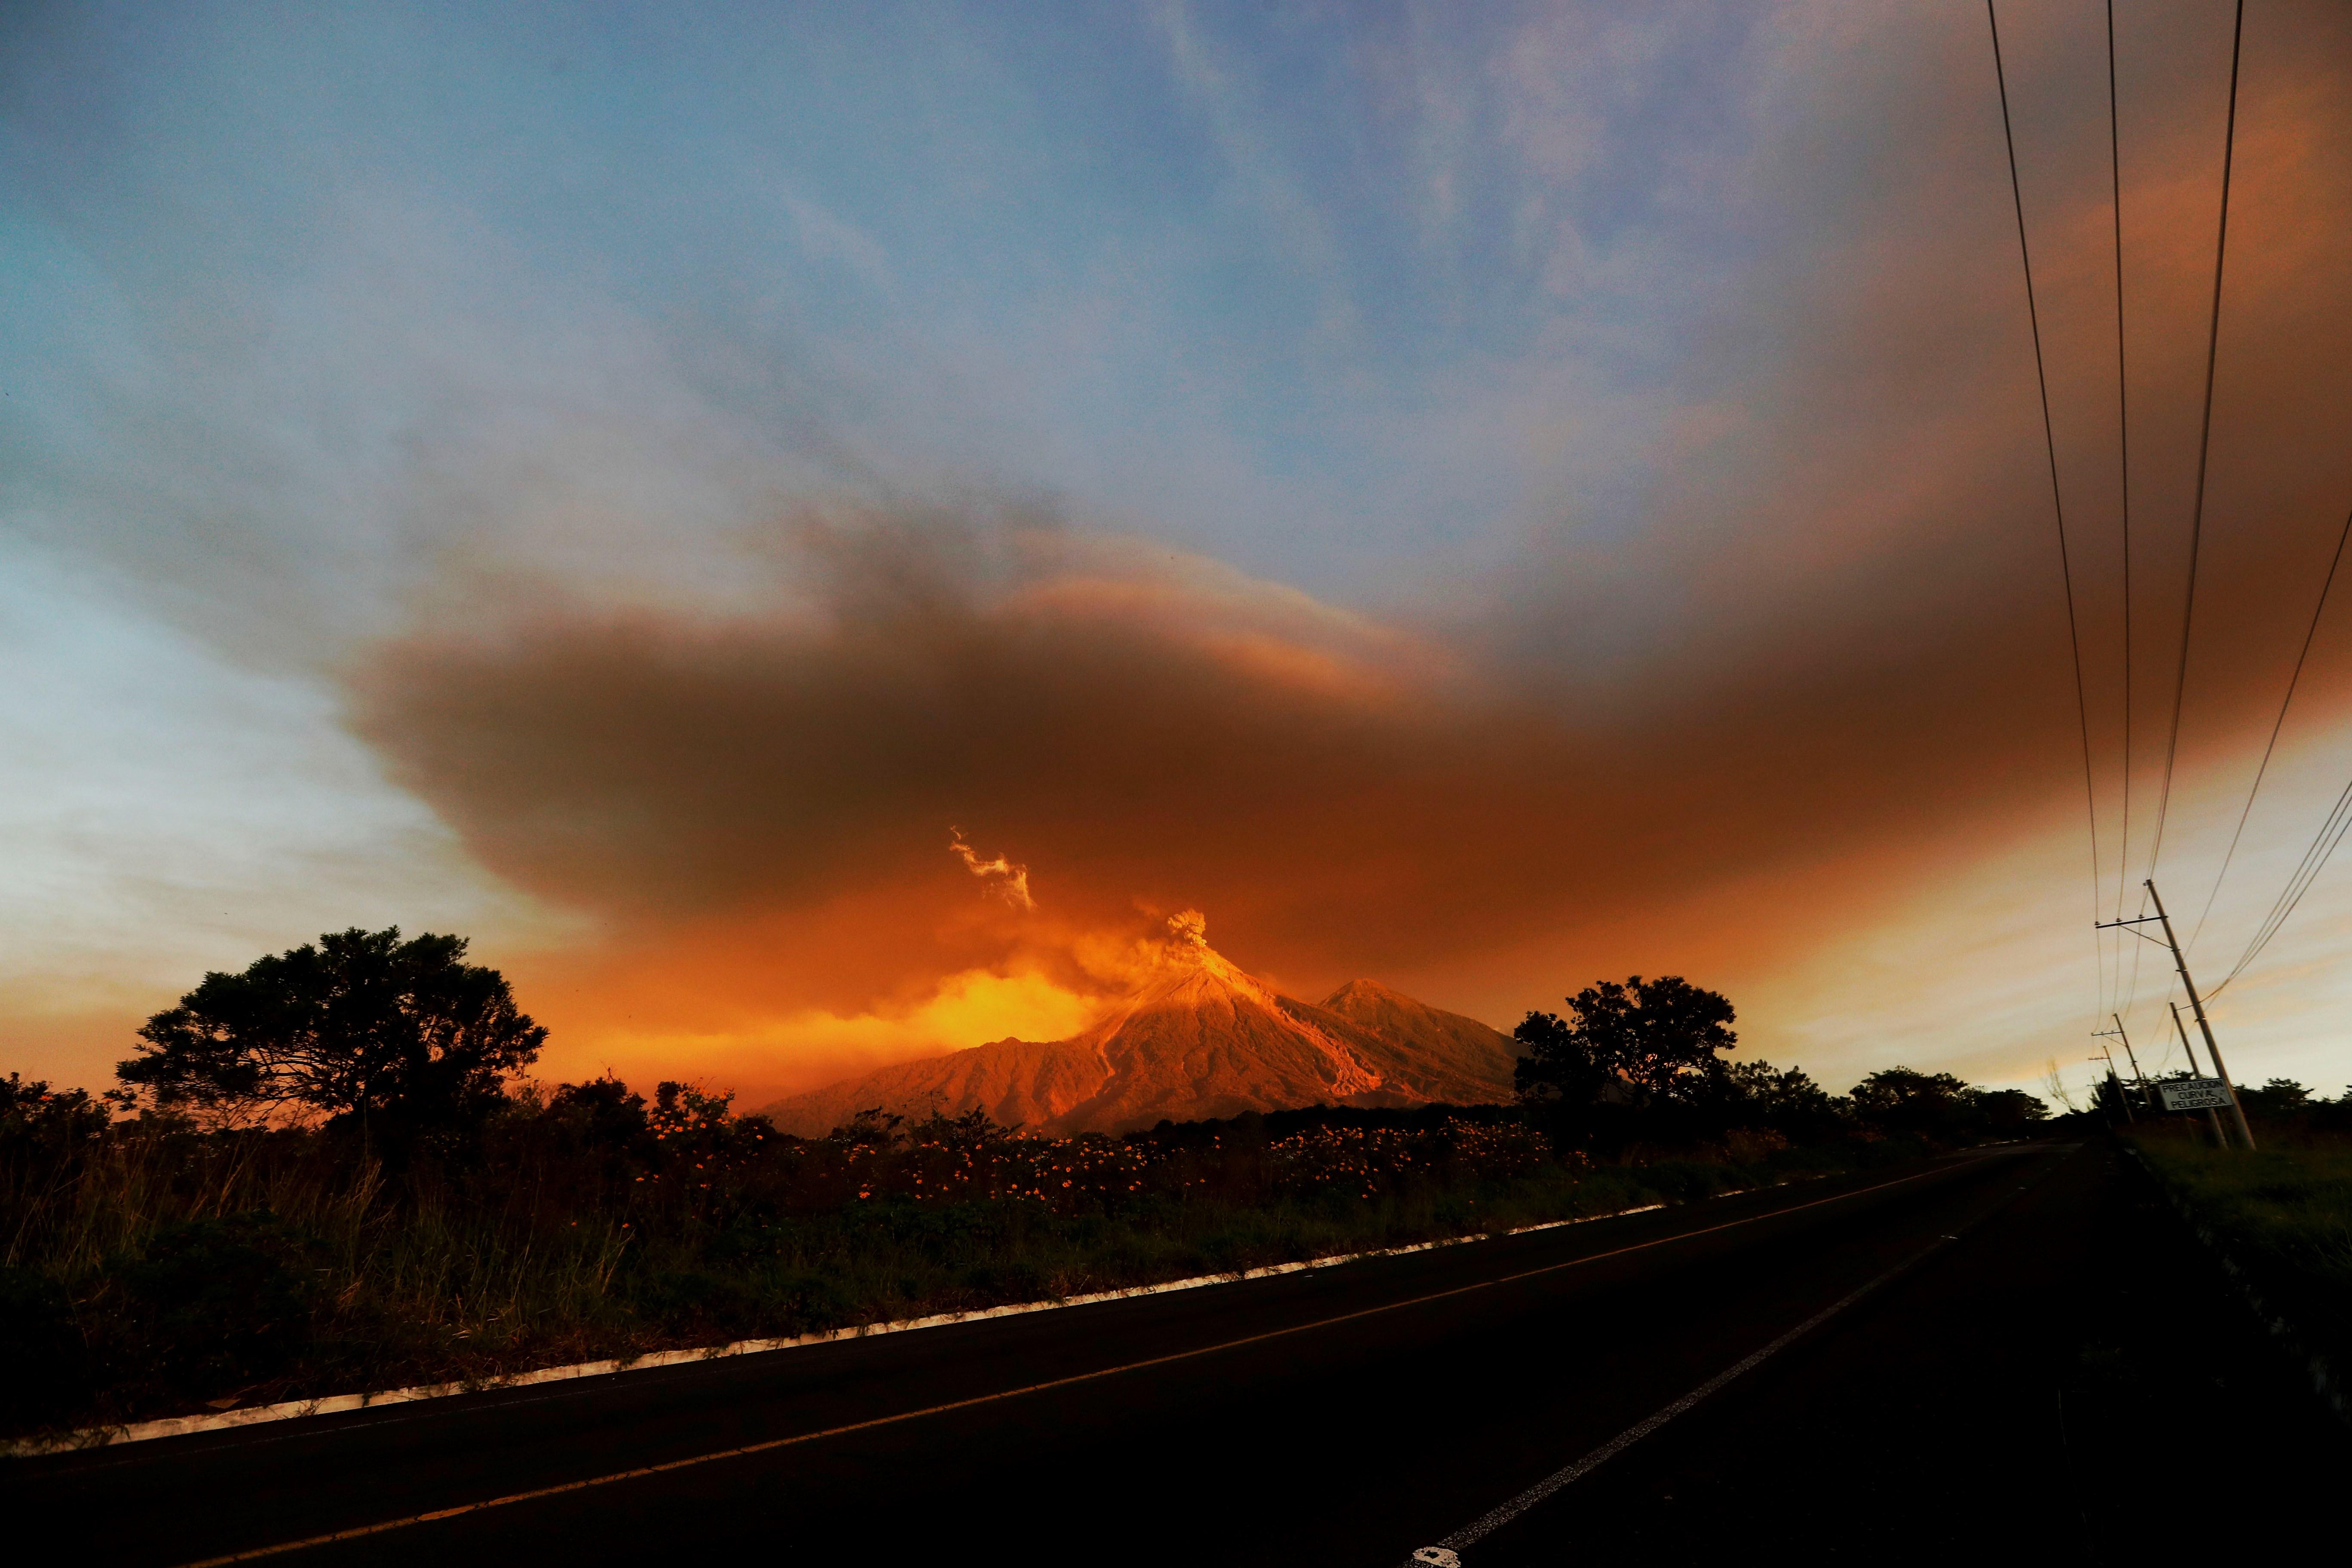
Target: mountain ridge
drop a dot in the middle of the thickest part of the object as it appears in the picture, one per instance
(1196, 1037)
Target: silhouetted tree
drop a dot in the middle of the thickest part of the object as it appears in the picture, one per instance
(2107, 1097)
(873, 1128)
(2008, 1110)
(1559, 1065)
(1755, 1093)
(398, 1037)
(1934, 1105)
(1659, 1037)
(605, 1117)
(2279, 1097)
(608, 1114)
(1937, 1105)
(1899, 1100)
(36, 1118)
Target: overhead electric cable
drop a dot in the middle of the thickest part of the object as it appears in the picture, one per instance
(2057, 499)
(2276, 724)
(2331, 833)
(2204, 441)
(2307, 871)
(2123, 444)
(2131, 994)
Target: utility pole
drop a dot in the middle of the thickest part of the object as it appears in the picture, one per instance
(2121, 1097)
(2194, 1070)
(2221, 1140)
(2197, 1005)
(2132, 1057)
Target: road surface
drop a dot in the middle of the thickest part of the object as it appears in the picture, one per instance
(2009, 1351)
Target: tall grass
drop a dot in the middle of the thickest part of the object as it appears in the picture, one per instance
(2284, 1213)
(152, 1268)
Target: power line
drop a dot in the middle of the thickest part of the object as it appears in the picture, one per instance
(2204, 441)
(2123, 441)
(2132, 996)
(2338, 821)
(2315, 855)
(2323, 845)
(2276, 725)
(2049, 440)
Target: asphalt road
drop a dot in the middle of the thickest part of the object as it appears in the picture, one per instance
(2019, 1357)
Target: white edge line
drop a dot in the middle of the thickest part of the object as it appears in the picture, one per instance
(330, 1405)
(1494, 1519)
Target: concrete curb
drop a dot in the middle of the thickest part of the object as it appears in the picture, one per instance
(2327, 1379)
(292, 1410)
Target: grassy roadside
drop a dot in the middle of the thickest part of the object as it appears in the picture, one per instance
(2282, 1215)
(167, 1272)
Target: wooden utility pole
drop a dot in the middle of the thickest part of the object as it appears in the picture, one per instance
(2197, 1005)
(2116, 1082)
(2221, 1139)
(2132, 1057)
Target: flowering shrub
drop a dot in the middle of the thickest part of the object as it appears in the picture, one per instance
(588, 1221)
(1348, 1159)
(877, 1159)
(1368, 1161)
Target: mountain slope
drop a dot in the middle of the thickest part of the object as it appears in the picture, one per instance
(1445, 1054)
(1017, 1082)
(1197, 1037)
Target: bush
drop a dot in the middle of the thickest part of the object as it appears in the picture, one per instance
(2284, 1214)
(213, 1306)
(590, 1222)
(694, 1302)
(44, 1369)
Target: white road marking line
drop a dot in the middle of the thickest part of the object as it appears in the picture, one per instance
(1496, 1518)
(357, 1532)
(90, 1438)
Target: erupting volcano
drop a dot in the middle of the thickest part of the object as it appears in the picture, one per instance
(1196, 1037)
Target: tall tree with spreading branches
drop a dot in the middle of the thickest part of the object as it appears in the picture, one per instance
(399, 1037)
(1658, 1038)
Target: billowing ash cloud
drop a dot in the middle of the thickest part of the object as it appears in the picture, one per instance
(1829, 634)
(1173, 733)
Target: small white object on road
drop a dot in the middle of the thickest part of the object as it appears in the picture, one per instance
(1436, 1557)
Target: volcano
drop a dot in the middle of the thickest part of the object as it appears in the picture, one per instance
(1197, 1037)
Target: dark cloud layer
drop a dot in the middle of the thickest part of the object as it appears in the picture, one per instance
(1838, 634)
(1321, 784)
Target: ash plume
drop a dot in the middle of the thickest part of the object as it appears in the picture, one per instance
(1013, 887)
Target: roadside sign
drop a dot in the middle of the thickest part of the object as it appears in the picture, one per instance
(2195, 1094)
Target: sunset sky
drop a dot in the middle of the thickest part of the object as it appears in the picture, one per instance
(1485, 497)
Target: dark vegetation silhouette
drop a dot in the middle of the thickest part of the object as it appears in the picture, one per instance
(1659, 1040)
(326, 1174)
(1641, 1063)
(2282, 1216)
(387, 1039)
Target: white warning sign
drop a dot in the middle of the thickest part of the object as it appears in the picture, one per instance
(2195, 1094)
